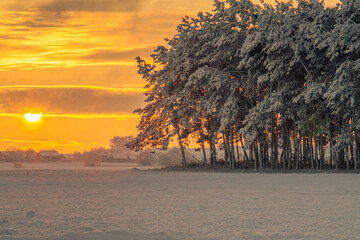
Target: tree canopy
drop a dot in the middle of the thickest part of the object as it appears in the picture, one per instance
(281, 81)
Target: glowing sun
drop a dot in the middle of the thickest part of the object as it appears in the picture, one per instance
(31, 117)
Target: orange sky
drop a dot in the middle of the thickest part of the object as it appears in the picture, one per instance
(73, 60)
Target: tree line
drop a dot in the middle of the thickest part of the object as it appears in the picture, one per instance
(278, 85)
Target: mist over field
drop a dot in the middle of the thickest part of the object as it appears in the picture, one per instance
(243, 125)
(111, 205)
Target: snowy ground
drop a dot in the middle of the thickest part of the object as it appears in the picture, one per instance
(135, 204)
(9, 166)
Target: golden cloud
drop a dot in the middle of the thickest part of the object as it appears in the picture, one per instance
(42, 144)
(117, 116)
(104, 5)
(67, 39)
(98, 75)
(73, 5)
(67, 101)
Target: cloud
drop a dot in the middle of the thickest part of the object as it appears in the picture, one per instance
(36, 145)
(114, 76)
(9, 36)
(199, 5)
(74, 5)
(117, 116)
(105, 5)
(70, 100)
(27, 21)
(71, 33)
(108, 55)
(92, 5)
(67, 39)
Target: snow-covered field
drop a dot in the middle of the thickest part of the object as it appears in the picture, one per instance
(137, 204)
(9, 166)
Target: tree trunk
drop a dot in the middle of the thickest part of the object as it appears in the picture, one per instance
(226, 149)
(276, 144)
(311, 152)
(347, 158)
(232, 147)
(202, 143)
(305, 149)
(331, 151)
(212, 149)
(256, 151)
(352, 151)
(261, 159)
(356, 149)
(353, 145)
(227, 140)
(289, 151)
(296, 151)
(322, 153)
(181, 148)
(237, 151)
(336, 160)
(252, 159)
(288, 146)
(316, 151)
(341, 157)
(251, 154)
(284, 142)
(300, 148)
(243, 148)
(266, 154)
(356, 138)
(272, 143)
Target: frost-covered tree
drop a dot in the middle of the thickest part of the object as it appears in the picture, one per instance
(284, 78)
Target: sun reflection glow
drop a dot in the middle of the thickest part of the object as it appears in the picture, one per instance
(31, 117)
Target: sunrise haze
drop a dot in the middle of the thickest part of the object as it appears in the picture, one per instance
(72, 61)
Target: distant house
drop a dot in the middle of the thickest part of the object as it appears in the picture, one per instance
(118, 157)
(69, 157)
(13, 156)
(49, 155)
(3, 156)
(107, 156)
(104, 155)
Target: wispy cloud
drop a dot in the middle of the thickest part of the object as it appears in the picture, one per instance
(37, 145)
(103, 5)
(48, 47)
(118, 77)
(109, 55)
(74, 5)
(117, 116)
(63, 100)
(67, 39)
(129, 89)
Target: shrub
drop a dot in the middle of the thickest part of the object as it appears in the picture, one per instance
(18, 165)
(92, 159)
(146, 158)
